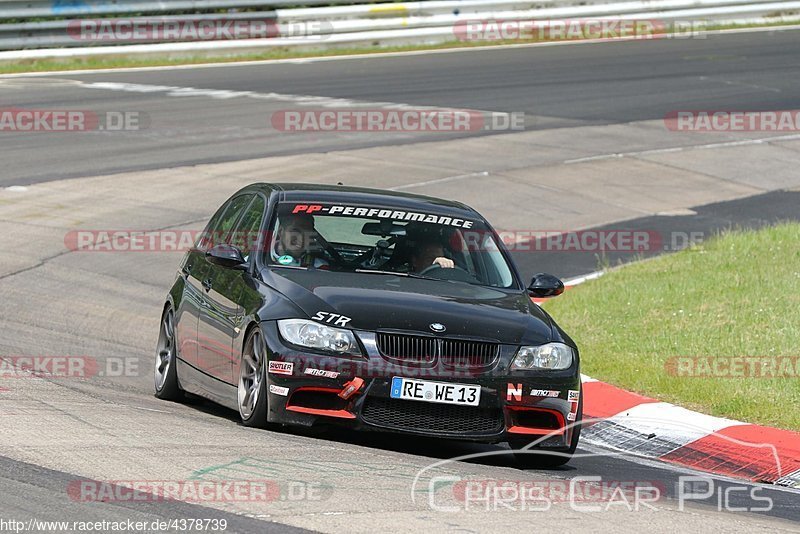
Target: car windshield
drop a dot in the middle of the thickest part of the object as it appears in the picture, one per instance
(381, 240)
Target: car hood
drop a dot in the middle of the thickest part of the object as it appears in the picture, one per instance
(387, 302)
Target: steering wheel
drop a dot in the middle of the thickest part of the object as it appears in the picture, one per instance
(433, 267)
(327, 247)
(358, 261)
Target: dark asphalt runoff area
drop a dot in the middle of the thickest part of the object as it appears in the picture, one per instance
(664, 234)
(33, 491)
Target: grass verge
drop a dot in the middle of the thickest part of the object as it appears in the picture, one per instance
(110, 62)
(735, 295)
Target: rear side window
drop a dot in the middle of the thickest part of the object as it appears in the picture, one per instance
(246, 235)
(221, 224)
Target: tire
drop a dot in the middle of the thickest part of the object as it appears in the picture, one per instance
(166, 371)
(548, 458)
(252, 389)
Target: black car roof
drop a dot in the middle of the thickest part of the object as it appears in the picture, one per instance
(302, 192)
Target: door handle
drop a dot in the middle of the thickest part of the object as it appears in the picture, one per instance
(206, 284)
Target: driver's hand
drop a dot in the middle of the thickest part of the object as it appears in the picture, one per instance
(445, 263)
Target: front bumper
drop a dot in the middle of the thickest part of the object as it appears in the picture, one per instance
(306, 389)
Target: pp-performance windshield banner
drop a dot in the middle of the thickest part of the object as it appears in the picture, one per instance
(342, 210)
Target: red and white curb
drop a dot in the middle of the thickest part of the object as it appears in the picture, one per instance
(646, 427)
(649, 428)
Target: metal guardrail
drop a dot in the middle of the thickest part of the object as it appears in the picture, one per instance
(332, 19)
(20, 9)
(339, 21)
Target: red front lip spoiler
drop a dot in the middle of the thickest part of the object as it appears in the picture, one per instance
(338, 413)
(341, 414)
(538, 431)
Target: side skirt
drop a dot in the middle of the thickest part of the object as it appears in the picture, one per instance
(194, 381)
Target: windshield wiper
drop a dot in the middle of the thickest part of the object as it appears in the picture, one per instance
(273, 265)
(406, 275)
(421, 277)
(378, 271)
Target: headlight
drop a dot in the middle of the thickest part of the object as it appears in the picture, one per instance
(552, 356)
(318, 336)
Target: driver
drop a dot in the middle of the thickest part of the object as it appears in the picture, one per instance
(296, 242)
(427, 254)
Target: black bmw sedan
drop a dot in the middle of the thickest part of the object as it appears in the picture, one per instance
(308, 304)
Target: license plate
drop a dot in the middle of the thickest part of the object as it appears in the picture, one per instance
(443, 392)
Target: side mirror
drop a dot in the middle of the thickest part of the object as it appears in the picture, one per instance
(545, 285)
(225, 255)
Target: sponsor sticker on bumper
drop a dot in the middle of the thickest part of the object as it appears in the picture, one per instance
(281, 368)
(278, 390)
(321, 372)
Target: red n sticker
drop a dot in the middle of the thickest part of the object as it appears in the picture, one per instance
(514, 392)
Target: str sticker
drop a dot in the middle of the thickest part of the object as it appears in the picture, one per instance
(335, 318)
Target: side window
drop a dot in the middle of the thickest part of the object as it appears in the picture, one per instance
(204, 240)
(246, 234)
(222, 222)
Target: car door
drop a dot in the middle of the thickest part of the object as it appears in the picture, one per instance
(238, 284)
(193, 271)
(220, 312)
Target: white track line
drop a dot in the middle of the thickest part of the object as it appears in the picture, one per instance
(745, 142)
(297, 100)
(581, 279)
(438, 181)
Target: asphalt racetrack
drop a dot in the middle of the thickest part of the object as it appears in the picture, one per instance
(556, 87)
(594, 155)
